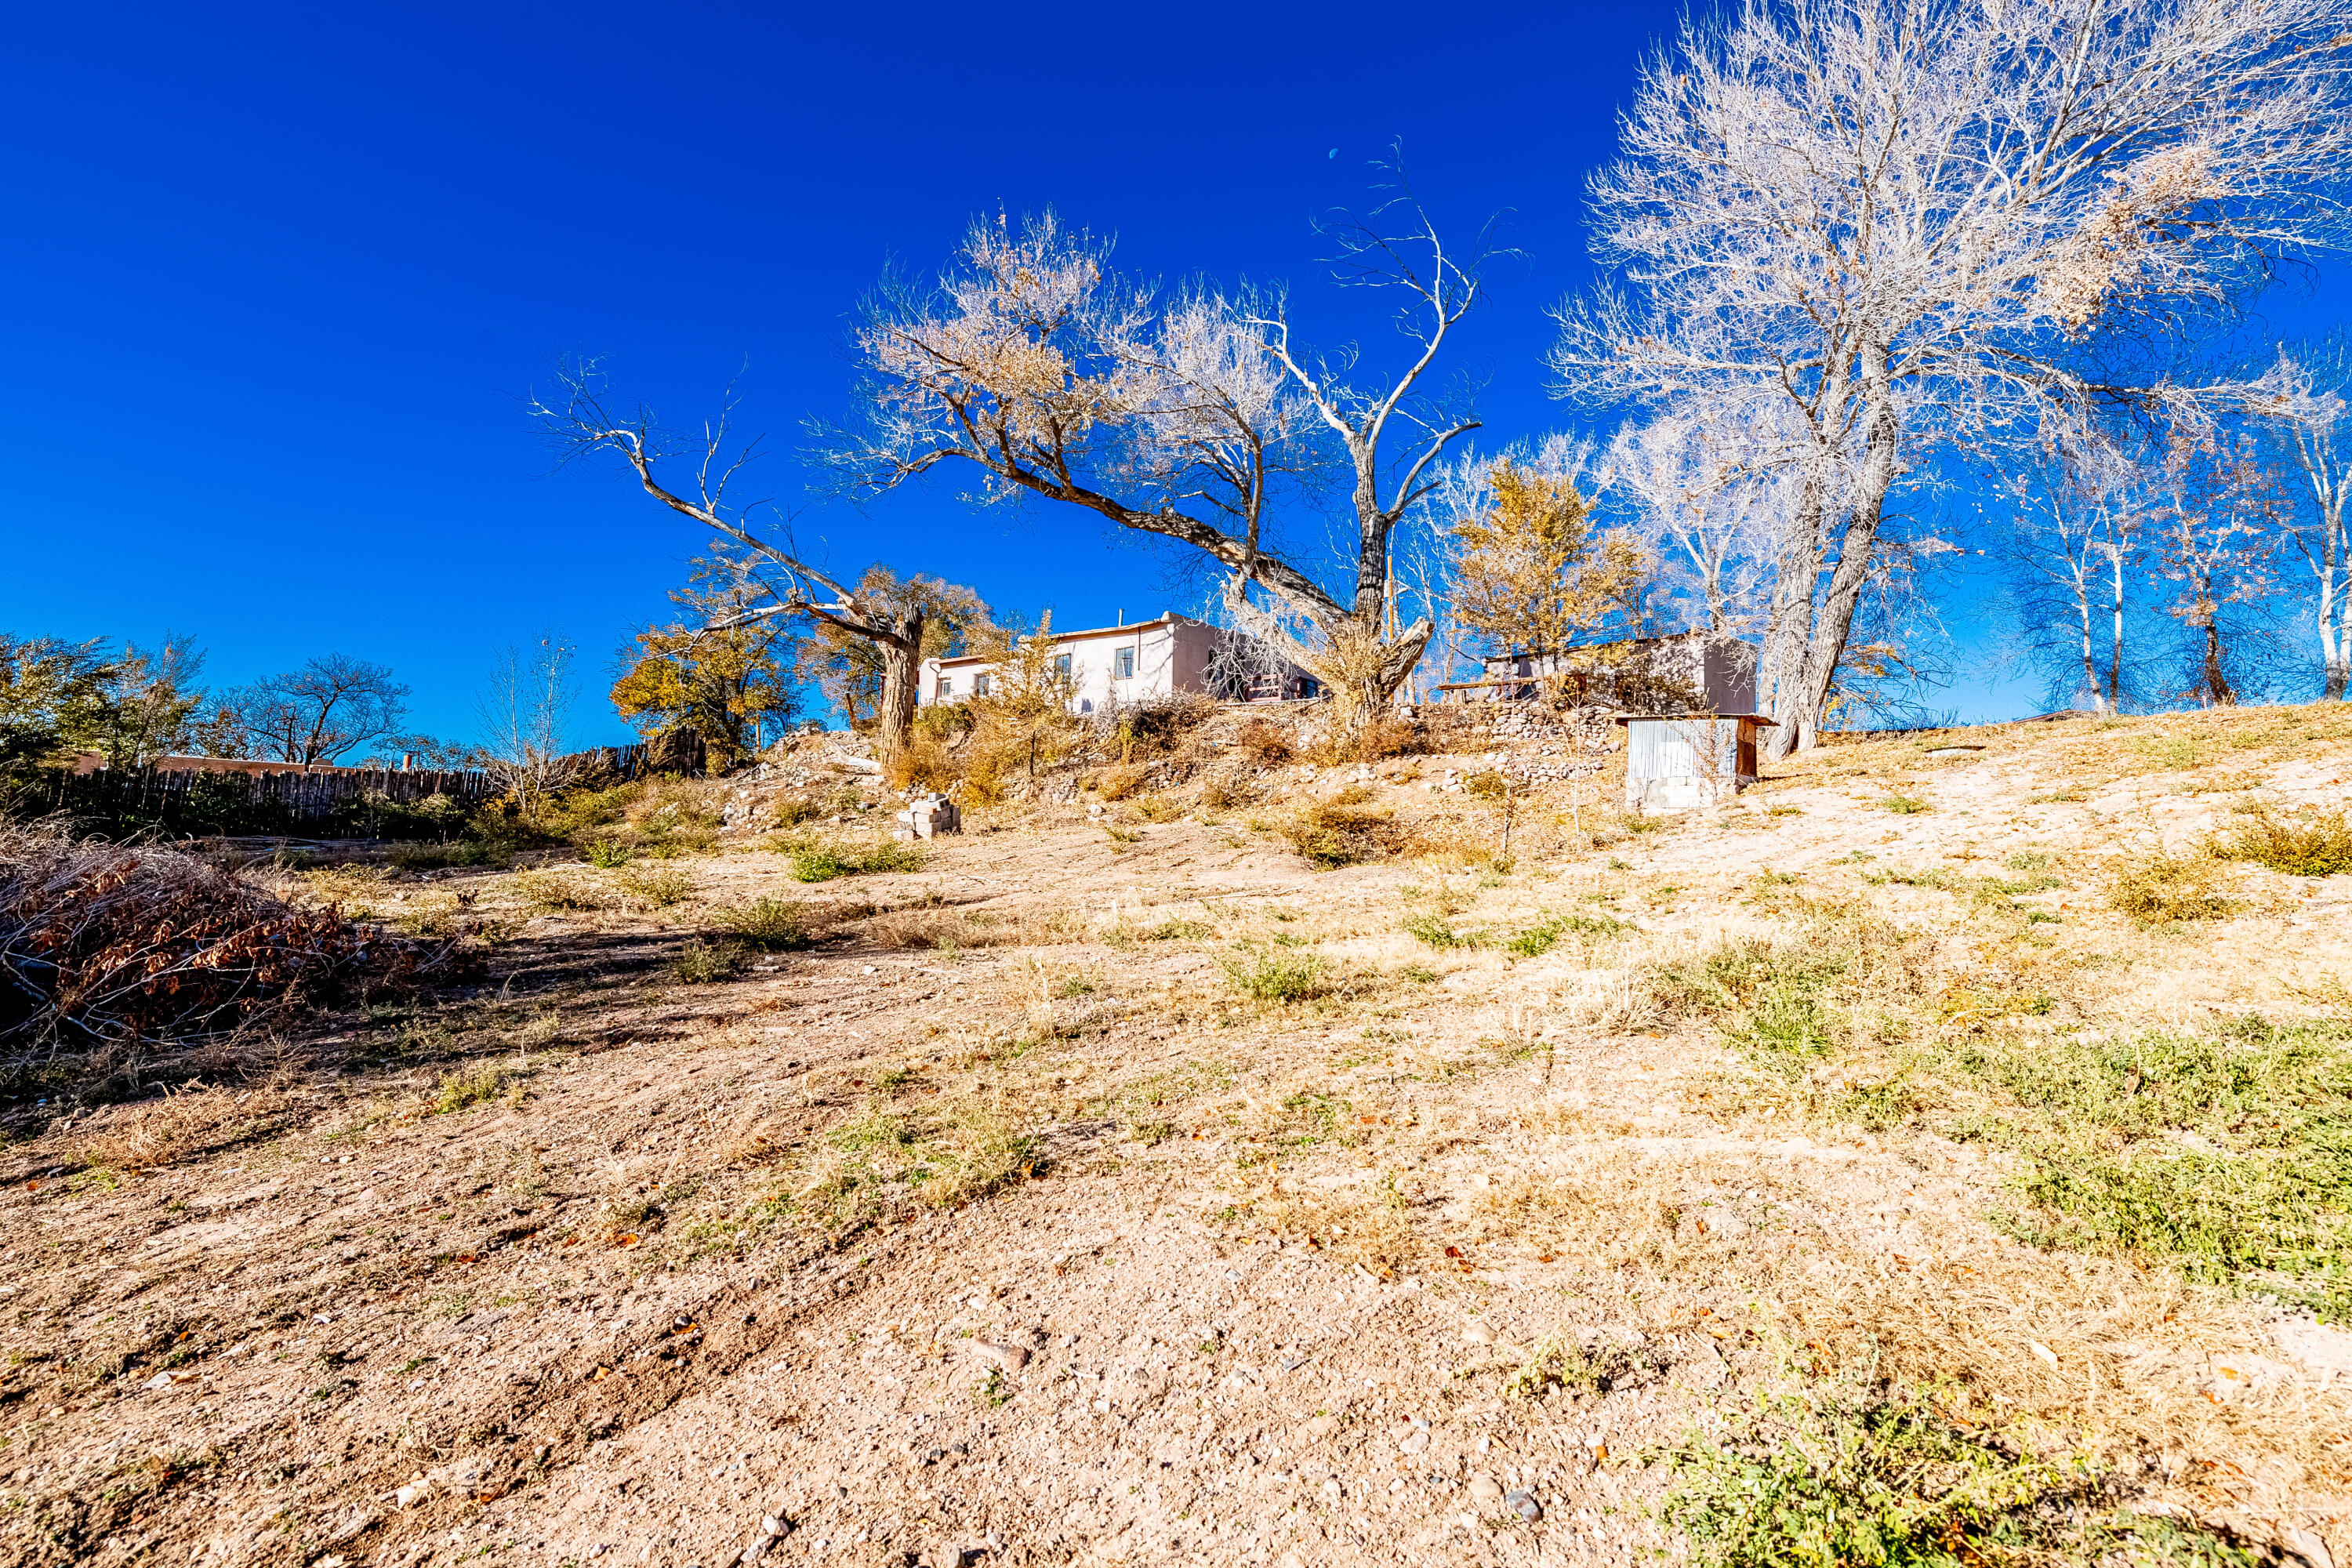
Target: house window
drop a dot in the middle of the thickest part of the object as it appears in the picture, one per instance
(980, 685)
(1122, 664)
(1062, 668)
(947, 687)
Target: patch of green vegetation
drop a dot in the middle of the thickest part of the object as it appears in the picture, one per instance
(609, 854)
(468, 1085)
(1438, 931)
(772, 925)
(700, 963)
(1904, 805)
(1179, 930)
(821, 860)
(1833, 1476)
(2228, 1153)
(1283, 976)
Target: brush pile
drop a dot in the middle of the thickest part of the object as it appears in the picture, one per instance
(105, 945)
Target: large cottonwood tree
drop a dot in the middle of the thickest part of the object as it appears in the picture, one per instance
(1865, 230)
(1190, 415)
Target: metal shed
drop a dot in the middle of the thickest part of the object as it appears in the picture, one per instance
(1687, 762)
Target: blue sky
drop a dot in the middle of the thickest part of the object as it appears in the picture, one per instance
(280, 278)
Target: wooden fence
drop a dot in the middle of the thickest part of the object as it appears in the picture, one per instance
(343, 801)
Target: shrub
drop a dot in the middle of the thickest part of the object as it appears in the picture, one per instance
(467, 1087)
(817, 863)
(700, 963)
(608, 855)
(1285, 977)
(1263, 742)
(1904, 805)
(2307, 846)
(1488, 784)
(2162, 887)
(772, 924)
(1178, 930)
(1118, 783)
(1339, 832)
(1217, 794)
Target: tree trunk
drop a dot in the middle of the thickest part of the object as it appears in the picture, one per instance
(2216, 685)
(901, 685)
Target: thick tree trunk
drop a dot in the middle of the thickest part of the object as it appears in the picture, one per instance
(902, 658)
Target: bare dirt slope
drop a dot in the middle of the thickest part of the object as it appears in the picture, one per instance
(1126, 1189)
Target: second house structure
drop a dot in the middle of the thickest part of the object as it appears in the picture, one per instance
(1105, 667)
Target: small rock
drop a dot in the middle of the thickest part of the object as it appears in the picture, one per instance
(1331, 1489)
(408, 1495)
(1414, 1442)
(1486, 1491)
(945, 1554)
(1011, 1358)
(752, 1552)
(1524, 1504)
(1396, 1486)
(1321, 1426)
(1478, 1334)
(160, 1380)
(776, 1524)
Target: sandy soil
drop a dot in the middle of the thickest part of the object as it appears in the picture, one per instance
(1365, 1276)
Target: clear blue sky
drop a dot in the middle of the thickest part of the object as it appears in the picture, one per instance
(279, 279)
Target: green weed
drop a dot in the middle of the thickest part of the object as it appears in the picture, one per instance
(1285, 977)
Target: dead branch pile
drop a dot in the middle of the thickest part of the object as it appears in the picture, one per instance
(105, 944)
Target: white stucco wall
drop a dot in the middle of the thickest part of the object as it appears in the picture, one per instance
(1167, 656)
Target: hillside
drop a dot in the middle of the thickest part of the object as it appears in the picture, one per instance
(1944, 1142)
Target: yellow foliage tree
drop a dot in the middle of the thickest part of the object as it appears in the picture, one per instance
(1533, 572)
(729, 678)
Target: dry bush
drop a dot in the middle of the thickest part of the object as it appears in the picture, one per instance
(2314, 846)
(1119, 783)
(1263, 741)
(106, 945)
(563, 890)
(924, 762)
(2160, 888)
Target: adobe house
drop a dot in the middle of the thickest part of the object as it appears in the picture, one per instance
(1107, 668)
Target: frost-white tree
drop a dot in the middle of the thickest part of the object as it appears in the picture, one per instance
(1865, 228)
(2076, 515)
(1180, 415)
(2302, 396)
(1712, 519)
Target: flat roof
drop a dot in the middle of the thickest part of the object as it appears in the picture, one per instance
(1166, 617)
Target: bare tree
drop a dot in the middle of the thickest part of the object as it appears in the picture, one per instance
(1861, 230)
(1710, 518)
(1183, 417)
(332, 706)
(522, 714)
(2304, 397)
(2077, 516)
(2218, 533)
(890, 615)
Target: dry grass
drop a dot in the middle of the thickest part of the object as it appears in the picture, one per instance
(2158, 887)
(186, 1125)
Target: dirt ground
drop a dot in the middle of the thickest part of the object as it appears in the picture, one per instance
(1115, 1187)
